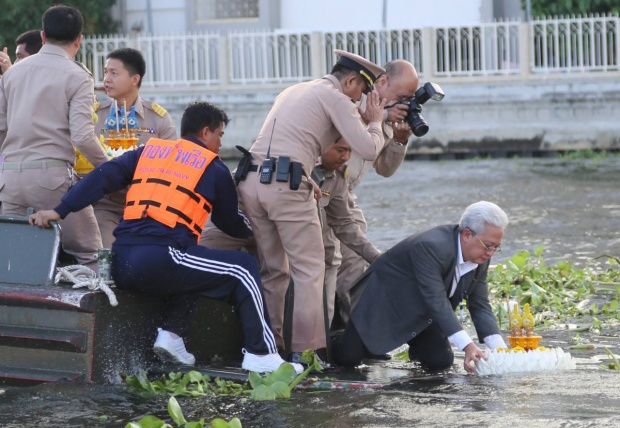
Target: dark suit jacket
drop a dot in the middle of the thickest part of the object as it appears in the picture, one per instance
(406, 289)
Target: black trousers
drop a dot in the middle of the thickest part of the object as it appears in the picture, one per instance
(185, 275)
(431, 348)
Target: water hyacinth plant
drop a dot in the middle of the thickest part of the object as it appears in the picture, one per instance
(555, 292)
(271, 386)
(280, 383)
(613, 363)
(191, 384)
(175, 412)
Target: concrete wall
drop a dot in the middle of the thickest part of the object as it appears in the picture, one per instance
(474, 118)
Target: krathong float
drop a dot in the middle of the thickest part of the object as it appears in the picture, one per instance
(524, 354)
(118, 136)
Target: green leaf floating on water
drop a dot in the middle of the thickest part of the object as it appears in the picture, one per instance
(256, 380)
(197, 377)
(192, 384)
(281, 389)
(221, 423)
(263, 393)
(175, 411)
(539, 250)
(402, 355)
(234, 423)
(148, 422)
(285, 373)
(280, 383)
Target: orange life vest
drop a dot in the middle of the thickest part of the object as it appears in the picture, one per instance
(164, 183)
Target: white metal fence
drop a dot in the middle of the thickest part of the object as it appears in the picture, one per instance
(171, 60)
(565, 45)
(484, 49)
(379, 47)
(575, 44)
(270, 57)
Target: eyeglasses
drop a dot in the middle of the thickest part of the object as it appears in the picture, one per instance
(489, 249)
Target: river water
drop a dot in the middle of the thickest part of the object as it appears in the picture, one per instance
(571, 208)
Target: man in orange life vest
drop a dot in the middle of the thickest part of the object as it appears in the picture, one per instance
(175, 185)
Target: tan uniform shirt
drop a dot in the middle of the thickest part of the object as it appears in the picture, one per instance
(390, 158)
(153, 120)
(46, 106)
(310, 117)
(337, 215)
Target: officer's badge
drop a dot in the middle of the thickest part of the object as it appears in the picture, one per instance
(83, 67)
(159, 109)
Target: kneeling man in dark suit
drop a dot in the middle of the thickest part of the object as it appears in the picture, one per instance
(409, 294)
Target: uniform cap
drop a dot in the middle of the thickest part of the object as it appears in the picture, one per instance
(367, 69)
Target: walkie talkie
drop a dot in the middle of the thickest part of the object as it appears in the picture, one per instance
(266, 171)
(268, 165)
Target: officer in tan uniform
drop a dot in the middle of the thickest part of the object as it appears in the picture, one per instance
(398, 83)
(337, 221)
(124, 71)
(214, 238)
(304, 121)
(46, 107)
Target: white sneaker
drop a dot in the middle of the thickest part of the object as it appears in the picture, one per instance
(170, 349)
(265, 363)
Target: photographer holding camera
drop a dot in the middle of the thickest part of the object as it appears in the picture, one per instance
(401, 118)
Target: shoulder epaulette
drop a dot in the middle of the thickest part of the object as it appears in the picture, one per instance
(83, 67)
(159, 109)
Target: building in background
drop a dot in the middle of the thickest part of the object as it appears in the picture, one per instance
(182, 16)
(511, 86)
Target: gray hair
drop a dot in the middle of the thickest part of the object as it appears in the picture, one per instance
(478, 215)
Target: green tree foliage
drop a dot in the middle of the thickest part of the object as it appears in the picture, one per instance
(18, 16)
(572, 7)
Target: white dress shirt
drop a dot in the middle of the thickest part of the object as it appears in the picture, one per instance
(461, 339)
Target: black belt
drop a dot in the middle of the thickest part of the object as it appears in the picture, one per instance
(254, 168)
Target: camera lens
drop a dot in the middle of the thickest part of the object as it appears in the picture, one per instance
(420, 130)
(417, 124)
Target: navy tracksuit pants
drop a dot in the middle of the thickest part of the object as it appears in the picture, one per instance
(231, 276)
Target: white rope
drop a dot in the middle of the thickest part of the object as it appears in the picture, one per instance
(83, 276)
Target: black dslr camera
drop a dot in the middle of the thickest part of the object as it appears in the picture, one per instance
(430, 91)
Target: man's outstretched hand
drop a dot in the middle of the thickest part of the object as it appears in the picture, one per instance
(472, 355)
(43, 218)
